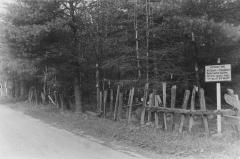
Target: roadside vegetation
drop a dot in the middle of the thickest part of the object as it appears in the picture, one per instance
(143, 139)
(58, 55)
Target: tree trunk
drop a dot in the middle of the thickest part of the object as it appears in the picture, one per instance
(13, 90)
(6, 88)
(195, 58)
(97, 87)
(17, 88)
(147, 38)
(22, 89)
(136, 39)
(77, 95)
(44, 93)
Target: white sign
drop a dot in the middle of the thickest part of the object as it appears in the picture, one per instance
(218, 73)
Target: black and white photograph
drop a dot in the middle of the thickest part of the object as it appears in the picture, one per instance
(119, 79)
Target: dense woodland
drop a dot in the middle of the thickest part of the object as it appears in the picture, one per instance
(71, 49)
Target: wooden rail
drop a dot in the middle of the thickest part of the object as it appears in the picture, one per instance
(189, 112)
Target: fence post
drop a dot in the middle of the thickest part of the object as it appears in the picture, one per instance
(192, 108)
(111, 101)
(164, 85)
(116, 103)
(130, 105)
(144, 103)
(157, 102)
(104, 103)
(184, 106)
(120, 106)
(173, 102)
(203, 107)
(151, 100)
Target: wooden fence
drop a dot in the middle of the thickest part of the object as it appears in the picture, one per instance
(156, 109)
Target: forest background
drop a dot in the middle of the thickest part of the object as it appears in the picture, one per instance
(75, 48)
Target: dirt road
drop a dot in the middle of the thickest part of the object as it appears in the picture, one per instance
(23, 137)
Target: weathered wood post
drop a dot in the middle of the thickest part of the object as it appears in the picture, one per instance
(203, 107)
(61, 102)
(120, 106)
(111, 101)
(151, 104)
(156, 114)
(116, 103)
(56, 99)
(144, 103)
(164, 87)
(105, 103)
(173, 102)
(130, 105)
(192, 108)
(184, 106)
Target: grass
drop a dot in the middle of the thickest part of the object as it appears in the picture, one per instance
(143, 138)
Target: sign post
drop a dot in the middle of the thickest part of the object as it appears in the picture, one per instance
(219, 107)
(218, 73)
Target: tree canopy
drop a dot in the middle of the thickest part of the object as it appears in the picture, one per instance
(57, 43)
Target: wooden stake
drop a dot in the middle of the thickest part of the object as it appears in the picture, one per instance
(144, 103)
(111, 100)
(104, 103)
(173, 96)
(130, 106)
(164, 85)
(56, 99)
(36, 96)
(120, 106)
(100, 101)
(203, 107)
(192, 108)
(173, 102)
(116, 103)
(30, 96)
(156, 102)
(151, 104)
(184, 106)
(61, 102)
